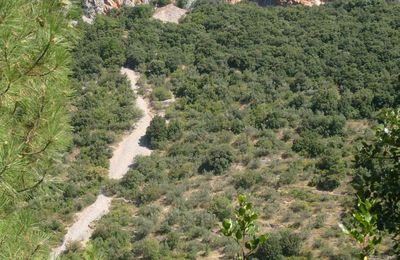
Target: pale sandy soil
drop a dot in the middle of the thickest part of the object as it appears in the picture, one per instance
(81, 229)
(124, 153)
(132, 144)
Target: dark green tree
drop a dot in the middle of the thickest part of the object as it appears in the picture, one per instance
(218, 160)
(157, 131)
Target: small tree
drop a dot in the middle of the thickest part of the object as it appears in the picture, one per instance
(157, 131)
(243, 229)
(218, 160)
(364, 228)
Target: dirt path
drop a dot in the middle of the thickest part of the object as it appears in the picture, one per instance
(132, 144)
(81, 229)
(124, 153)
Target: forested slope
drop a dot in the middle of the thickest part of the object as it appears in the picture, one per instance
(272, 102)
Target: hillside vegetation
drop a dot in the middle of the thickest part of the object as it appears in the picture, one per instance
(270, 102)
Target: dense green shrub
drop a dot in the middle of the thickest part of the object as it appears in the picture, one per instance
(279, 245)
(290, 243)
(135, 56)
(309, 144)
(157, 131)
(324, 125)
(247, 179)
(148, 249)
(160, 94)
(221, 207)
(218, 160)
(271, 250)
(181, 3)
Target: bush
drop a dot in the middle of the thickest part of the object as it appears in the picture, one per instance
(325, 100)
(160, 3)
(172, 240)
(325, 182)
(283, 243)
(156, 67)
(309, 144)
(143, 227)
(156, 132)
(247, 179)
(221, 207)
(324, 125)
(181, 3)
(218, 160)
(290, 243)
(135, 56)
(270, 250)
(149, 249)
(160, 94)
(175, 130)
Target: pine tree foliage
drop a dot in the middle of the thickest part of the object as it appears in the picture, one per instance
(34, 101)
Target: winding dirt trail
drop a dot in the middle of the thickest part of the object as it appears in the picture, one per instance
(132, 144)
(124, 153)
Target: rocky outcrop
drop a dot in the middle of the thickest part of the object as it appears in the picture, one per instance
(93, 7)
(169, 14)
(299, 2)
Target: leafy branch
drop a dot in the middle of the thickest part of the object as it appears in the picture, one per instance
(364, 228)
(243, 229)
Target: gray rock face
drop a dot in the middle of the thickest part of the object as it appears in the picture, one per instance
(93, 7)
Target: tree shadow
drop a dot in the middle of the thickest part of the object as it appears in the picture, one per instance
(144, 142)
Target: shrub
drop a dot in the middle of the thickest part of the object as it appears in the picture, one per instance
(157, 131)
(221, 207)
(309, 144)
(172, 240)
(151, 192)
(135, 56)
(287, 177)
(157, 67)
(149, 249)
(324, 125)
(218, 160)
(160, 3)
(175, 130)
(143, 227)
(270, 250)
(181, 3)
(325, 182)
(290, 243)
(247, 179)
(160, 94)
(325, 100)
(278, 245)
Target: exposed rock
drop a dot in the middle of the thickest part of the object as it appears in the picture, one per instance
(93, 7)
(169, 13)
(300, 2)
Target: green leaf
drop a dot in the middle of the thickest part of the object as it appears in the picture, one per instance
(238, 234)
(227, 224)
(241, 198)
(262, 239)
(249, 245)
